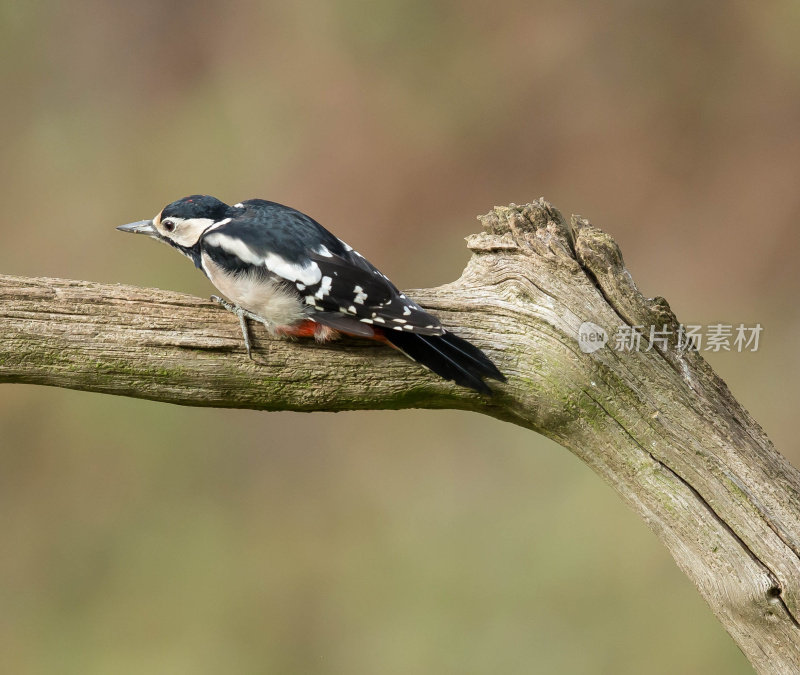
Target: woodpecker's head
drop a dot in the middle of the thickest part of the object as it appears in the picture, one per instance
(182, 223)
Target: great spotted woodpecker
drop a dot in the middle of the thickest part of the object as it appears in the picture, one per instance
(283, 269)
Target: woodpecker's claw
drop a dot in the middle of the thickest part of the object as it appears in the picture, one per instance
(242, 315)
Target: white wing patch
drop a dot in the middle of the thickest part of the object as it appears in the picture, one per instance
(360, 295)
(235, 247)
(309, 274)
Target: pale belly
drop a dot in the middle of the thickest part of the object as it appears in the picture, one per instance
(271, 301)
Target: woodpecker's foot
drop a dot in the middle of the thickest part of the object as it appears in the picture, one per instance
(243, 315)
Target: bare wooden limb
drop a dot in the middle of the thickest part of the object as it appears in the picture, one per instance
(658, 425)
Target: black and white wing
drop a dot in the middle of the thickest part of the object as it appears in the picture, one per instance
(339, 286)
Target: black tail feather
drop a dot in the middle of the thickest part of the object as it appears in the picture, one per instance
(449, 356)
(484, 365)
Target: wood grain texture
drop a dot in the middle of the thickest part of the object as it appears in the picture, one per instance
(658, 425)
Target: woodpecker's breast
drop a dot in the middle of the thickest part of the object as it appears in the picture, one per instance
(268, 298)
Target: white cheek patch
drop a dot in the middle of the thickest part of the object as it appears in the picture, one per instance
(187, 232)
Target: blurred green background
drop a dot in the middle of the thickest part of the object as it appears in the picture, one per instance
(145, 538)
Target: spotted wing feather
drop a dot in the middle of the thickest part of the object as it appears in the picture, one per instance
(358, 289)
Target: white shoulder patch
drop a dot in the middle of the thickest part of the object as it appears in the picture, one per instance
(307, 274)
(235, 247)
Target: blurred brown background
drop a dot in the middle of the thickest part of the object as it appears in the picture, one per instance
(144, 538)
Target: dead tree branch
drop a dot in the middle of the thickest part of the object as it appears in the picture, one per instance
(658, 425)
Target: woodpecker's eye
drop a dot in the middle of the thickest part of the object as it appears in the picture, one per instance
(168, 225)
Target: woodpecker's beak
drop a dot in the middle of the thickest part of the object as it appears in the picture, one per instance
(140, 227)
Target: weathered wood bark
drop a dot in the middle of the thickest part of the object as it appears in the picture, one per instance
(658, 425)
